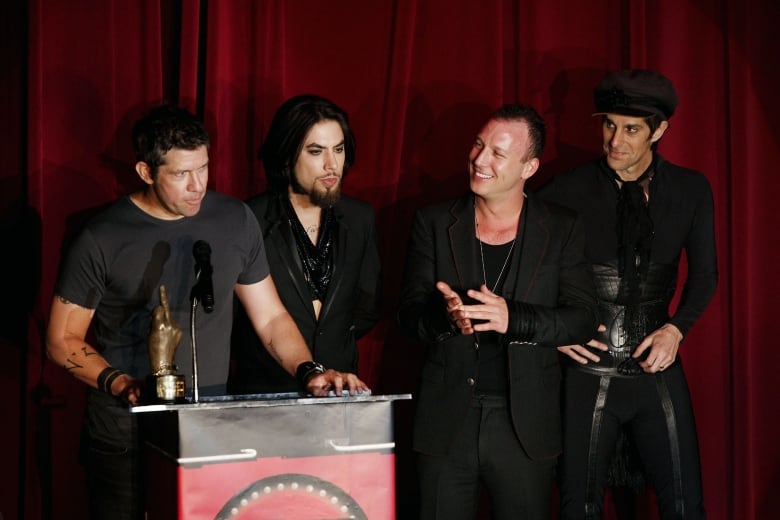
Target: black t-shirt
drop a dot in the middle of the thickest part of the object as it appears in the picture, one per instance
(492, 376)
(121, 258)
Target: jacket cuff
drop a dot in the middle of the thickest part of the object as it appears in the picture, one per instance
(522, 321)
(444, 328)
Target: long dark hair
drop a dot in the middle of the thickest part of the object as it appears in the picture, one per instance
(288, 129)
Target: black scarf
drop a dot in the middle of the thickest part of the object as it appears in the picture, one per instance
(317, 260)
(634, 229)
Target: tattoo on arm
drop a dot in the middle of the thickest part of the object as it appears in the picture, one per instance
(70, 362)
(71, 365)
(272, 350)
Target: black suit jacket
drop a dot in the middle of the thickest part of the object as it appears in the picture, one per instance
(350, 309)
(548, 272)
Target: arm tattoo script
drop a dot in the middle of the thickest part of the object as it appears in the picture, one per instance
(71, 365)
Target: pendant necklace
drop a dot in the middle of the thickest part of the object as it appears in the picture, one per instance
(482, 256)
(484, 274)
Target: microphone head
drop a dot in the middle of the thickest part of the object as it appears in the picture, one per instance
(201, 250)
(203, 290)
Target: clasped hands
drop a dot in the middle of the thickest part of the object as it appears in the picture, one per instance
(663, 343)
(492, 310)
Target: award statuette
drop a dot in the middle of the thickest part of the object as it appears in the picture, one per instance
(164, 384)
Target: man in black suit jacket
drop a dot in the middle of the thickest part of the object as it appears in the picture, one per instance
(494, 281)
(321, 245)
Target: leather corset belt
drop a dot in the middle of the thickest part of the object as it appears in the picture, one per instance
(628, 322)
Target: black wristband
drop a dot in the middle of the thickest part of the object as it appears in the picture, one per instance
(101, 378)
(306, 371)
(522, 321)
(106, 378)
(110, 380)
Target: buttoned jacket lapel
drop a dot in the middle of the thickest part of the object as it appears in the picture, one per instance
(280, 241)
(533, 245)
(463, 246)
(339, 257)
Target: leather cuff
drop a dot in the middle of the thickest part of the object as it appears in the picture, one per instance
(306, 371)
(522, 321)
(106, 378)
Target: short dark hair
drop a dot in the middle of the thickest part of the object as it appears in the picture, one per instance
(537, 129)
(164, 128)
(288, 129)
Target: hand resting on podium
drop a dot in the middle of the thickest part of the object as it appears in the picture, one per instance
(332, 382)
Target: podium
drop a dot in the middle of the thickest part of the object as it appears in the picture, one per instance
(271, 456)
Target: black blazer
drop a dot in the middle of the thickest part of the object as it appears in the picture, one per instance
(549, 272)
(351, 307)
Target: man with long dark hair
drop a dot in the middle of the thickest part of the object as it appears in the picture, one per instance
(321, 244)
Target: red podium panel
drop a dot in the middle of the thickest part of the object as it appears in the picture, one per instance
(271, 457)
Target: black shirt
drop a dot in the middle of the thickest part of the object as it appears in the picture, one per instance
(681, 208)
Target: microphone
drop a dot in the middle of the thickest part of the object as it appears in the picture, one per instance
(204, 288)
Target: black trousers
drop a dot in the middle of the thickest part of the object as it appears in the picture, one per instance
(657, 412)
(111, 453)
(114, 480)
(485, 452)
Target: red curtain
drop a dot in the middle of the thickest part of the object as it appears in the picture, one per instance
(417, 78)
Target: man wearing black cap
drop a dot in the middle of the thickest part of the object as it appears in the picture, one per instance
(640, 213)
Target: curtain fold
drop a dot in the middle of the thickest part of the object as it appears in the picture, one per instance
(752, 150)
(417, 78)
(93, 67)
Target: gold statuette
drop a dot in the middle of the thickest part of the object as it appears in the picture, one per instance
(165, 385)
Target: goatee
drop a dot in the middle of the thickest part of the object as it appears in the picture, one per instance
(325, 199)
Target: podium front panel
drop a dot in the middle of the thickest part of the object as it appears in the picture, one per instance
(284, 457)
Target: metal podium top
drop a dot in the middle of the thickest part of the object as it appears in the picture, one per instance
(265, 400)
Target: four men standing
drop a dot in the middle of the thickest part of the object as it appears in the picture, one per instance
(497, 282)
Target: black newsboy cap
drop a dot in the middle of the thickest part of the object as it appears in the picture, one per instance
(635, 92)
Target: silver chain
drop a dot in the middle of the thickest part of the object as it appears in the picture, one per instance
(482, 255)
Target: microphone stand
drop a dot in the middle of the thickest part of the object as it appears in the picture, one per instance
(195, 295)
